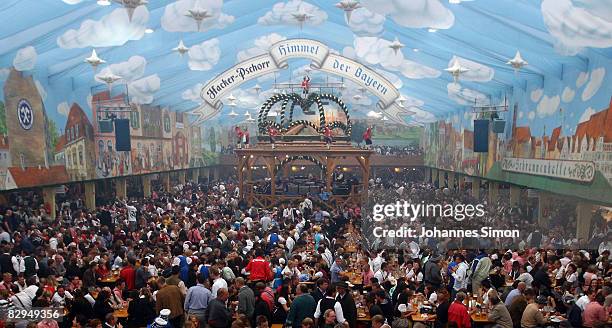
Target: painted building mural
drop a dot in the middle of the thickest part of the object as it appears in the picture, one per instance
(564, 122)
(35, 151)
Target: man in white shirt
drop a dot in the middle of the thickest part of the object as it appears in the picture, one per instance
(460, 274)
(382, 274)
(18, 263)
(23, 300)
(325, 303)
(218, 282)
(376, 261)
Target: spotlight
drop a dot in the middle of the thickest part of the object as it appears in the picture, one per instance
(149, 31)
(432, 30)
(104, 2)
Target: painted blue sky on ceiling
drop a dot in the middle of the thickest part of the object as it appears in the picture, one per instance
(567, 44)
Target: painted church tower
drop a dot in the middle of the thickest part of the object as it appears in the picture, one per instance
(26, 121)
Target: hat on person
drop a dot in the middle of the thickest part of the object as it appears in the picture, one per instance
(542, 300)
(342, 284)
(159, 323)
(164, 314)
(402, 308)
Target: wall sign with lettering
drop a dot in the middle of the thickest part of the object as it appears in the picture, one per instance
(583, 171)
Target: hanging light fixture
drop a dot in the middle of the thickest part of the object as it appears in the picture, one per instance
(517, 62)
(94, 60)
(456, 69)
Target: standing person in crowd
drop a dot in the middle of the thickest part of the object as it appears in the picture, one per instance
(349, 309)
(197, 300)
(170, 297)
(328, 302)
(246, 298)
(303, 306)
(218, 315)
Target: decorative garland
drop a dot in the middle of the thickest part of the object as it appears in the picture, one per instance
(289, 159)
(295, 99)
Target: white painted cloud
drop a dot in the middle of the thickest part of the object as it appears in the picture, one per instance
(586, 115)
(568, 94)
(349, 52)
(25, 59)
(372, 50)
(476, 72)
(204, 56)
(261, 46)
(174, 18)
(531, 115)
(422, 116)
(365, 22)
(114, 29)
(411, 101)
(89, 99)
(63, 108)
(142, 91)
(548, 106)
(394, 79)
(414, 13)
(575, 27)
(464, 96)
(591, 88)
(583, 77)
(41, 90)
(193, 93)
(73, 2)
(374, 114)
(282, 14)
(520, 115)
(4, 73)
(129, 70)
(536, 95)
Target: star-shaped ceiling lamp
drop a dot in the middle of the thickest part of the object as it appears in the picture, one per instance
(198, 15)
(109, 79)
(456, 70)
(131, 5)
(94, 60)
(396, 45)
(181, 48)
(517, 62)
(348, 6)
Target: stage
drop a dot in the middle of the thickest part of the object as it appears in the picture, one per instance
(278, 159)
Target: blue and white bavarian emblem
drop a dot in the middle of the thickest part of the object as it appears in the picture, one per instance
(25, 114)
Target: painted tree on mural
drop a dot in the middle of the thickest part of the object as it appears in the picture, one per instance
(53, 134)
(212, 139)
(358, 130)
(3, 129)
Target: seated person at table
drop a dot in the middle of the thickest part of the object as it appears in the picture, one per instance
(378, 321)
(532, 316)
(458, 312)
(499, 313)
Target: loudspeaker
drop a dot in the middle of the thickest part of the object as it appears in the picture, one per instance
(122, 135)
(499, 126)
(481, 136)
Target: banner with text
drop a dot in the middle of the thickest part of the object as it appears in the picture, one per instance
(321, 59)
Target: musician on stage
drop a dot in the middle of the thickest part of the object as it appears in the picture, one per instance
(246, 138)
(273, 133)
(328, 136)
(305, 86)
(239, 136)
(367, 137)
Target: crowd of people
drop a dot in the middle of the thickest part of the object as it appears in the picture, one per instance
(196, 256)
(411, 150)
